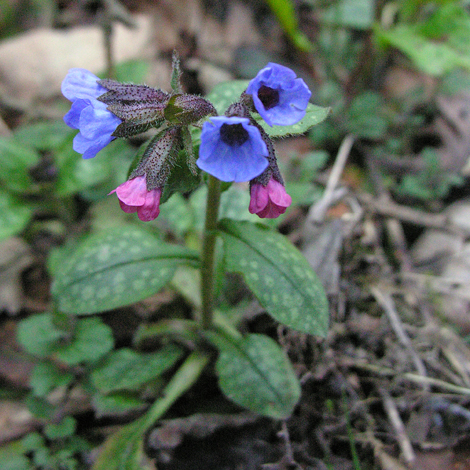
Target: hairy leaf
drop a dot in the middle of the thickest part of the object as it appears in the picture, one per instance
(128, 370)
(116, 268)
(255, 373)
(277, 273)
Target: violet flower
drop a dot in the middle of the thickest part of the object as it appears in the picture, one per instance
(269, 201)
(232, 149)
(91, 117)
(279, 97)
(134, 197)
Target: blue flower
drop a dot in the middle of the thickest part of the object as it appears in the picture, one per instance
(279, 97)
(232, 149)
(90, 116)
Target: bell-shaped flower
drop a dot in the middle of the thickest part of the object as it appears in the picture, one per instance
(232, 149)
(134, 197)
(90, 116)
(278, 95)
(270, 201)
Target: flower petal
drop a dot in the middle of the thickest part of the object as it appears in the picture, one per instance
(81, 84)
(72, 118)
(237, 162)
(293, 95)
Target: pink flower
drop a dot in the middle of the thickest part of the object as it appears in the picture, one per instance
(269, 201)
(134, 197)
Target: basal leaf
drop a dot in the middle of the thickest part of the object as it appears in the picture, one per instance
(129, 370)
(432, 57)
(16, 159)
(358, 14)
(14, 215)
(116, 404)
(124, 449)
(278, 274)
(46, 376)
(255, 373)
(91, 340)
(38, 335)
(286, 15)
(115, 268)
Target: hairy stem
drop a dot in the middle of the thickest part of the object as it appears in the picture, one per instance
(208, 252)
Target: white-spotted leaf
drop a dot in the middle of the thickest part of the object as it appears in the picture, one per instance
(278, 275)
(126, 369)
(255, 373)
(116, 268)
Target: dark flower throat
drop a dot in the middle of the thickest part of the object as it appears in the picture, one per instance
(268, 96)
(233, 134)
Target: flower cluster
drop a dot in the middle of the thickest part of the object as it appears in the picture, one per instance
(234, 147)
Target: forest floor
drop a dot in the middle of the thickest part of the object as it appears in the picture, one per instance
(389, 386)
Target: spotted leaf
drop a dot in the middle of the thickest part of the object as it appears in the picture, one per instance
(278, 275)
(116, 268)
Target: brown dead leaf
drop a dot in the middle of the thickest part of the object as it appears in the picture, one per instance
(15, 256)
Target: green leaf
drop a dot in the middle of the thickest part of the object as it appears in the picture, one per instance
(16, 159)
(133, 71)
(45, 136)
(91, 340)
(255, 373)
(124, 449)
(15, 462)
(38, 335)
(314, 115)
(116, 404)
(286, 15)
(364, 117)
(177, 214)
(432, 57)
(77, 174)
(115, 268)
(46, 376)
(227, 93)
(40, 407)
(278, 274)
(358, 14)
(60, 430)
(126, 369)
(14, 215)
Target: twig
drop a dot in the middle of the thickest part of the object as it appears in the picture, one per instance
(284, 433)
(317, 212)
(411, 377)
(397, 423)
(386, 207)
(386, 302)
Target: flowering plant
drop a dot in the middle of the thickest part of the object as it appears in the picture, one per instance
(232, 132)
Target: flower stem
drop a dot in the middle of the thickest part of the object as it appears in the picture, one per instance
(208, 252)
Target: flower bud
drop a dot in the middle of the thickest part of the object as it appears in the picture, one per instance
(187, 109)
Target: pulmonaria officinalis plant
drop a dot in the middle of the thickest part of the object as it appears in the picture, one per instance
(121, 266)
